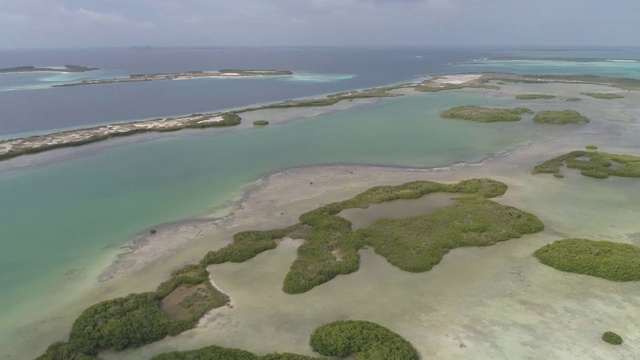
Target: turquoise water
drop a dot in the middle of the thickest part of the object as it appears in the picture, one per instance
(621, 69)
(59, 217)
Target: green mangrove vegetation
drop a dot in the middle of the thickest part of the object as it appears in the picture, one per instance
(606, 96)
(594, 164)
(573, 99)
(603, 259)
(611, 338)
(220, 353)
(362, 339)
(560, 117)
(591, 147)
(331, 247)
(534, 96)
(485, 114)
(138, 319)
(260, 123)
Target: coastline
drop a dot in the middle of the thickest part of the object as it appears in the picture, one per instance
(11, 148)
(189, 75)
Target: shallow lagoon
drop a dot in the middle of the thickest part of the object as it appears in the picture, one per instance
(198, 172)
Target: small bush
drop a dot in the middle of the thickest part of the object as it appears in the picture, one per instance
(612, 338)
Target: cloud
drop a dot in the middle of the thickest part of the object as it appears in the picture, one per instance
(108, 18)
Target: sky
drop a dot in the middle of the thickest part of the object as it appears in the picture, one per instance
(109, 23)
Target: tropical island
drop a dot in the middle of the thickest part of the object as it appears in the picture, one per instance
(595, 164)
(188, 75)
(485, 114)
(560, 117)
(534, 96)
(65, 69)
(603, 259)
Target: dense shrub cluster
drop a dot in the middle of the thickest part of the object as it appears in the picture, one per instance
(485, 114)
(417, 244)
(220, 353)
(136, 319)
(559, 117)
(594, 164)
(603, 259)
(612, 338)
(331, 247)
(365, 340)
(534, 96)
(606, 96)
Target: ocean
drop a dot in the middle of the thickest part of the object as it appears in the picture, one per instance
(64, 220)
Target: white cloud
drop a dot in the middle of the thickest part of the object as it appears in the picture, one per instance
(103, 18)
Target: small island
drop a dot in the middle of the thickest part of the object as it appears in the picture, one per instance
(414, 244)
(188, 75)
(485, 114)
(603, 259)
(606, 96)
(534, 96)
(260, 123)
(559, 117)
(30, 69)
(599, 165)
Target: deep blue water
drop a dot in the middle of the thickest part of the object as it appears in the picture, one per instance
(28, 103)
(34, 106)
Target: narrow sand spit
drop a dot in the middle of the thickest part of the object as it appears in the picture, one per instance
(456, 79)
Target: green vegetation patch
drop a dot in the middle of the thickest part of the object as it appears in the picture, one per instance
(606, 96)
(333, 99)
(591, 147)
(485, 114)
(138, 319)
(560, 117)
(603, 259)
(534, 96)
(221, 353)
(331, 247)
(612, 338)
(260, 123)
(362, 339)
(573, 99)
(595, 164)
(419, 243)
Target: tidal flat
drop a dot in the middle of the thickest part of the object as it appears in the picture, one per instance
(478, 303)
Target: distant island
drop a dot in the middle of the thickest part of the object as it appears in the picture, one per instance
(65, 69)
(187, 75)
